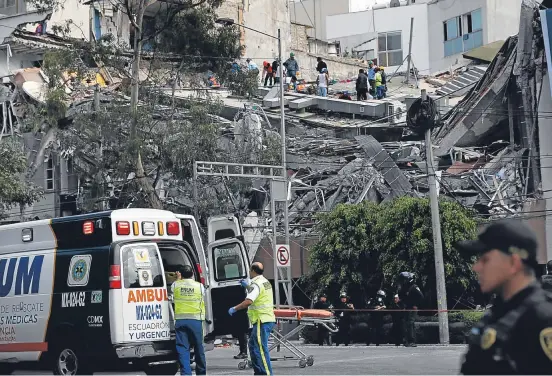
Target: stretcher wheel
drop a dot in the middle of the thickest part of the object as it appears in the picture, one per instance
(242, 365)
(302, 363)
(310, 361)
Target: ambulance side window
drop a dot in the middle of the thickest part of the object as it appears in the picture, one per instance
(141, 267)
(229, 263)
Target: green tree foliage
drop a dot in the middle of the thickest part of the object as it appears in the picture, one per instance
(14, 190)
(364, 247)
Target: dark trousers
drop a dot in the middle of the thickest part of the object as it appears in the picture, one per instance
(372, 90)
(323, 335)
(397, 331)
(190, 333)
(376, 334)
(267, 78)
(362, 94)
(242, 342)
(343, 333)
(409, 328)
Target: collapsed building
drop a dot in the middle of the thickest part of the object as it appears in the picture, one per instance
(488, 147)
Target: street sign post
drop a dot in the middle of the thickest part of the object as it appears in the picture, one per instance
(283, 255)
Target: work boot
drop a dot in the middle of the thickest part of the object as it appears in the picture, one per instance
(241, 355)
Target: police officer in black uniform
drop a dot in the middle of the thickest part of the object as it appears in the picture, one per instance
(323, 333)
(410, 297)
(376, 318)
(515, 335)
(546, 279)
(344, 316)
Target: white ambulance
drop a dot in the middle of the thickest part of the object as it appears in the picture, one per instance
(81, 291)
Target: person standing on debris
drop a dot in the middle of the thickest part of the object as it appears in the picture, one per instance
(362, 85)
(321, 65)
(291, 65)
(323, 334)
(546, 280)
(379, 85)
(259, 303)
(322, 81)
(344, 315)
(372, 78)
(515, 335)
(411, 296)
(268, 73)
(383, 81)
(189, 312)
(397, 331)
(252, 68)
(276, 70)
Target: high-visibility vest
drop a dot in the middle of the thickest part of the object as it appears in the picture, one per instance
(263, 307)
(188, 300)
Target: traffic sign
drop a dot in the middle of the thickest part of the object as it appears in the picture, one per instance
(283, 255)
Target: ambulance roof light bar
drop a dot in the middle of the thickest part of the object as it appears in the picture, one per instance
(123, 227)
(173, 228)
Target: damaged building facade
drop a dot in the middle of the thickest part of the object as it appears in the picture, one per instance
(491, 148)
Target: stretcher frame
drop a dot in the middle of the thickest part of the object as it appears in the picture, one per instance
(278, 339)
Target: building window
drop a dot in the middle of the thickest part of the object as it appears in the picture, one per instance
(50, 174)
(390, 49)
(463, 33)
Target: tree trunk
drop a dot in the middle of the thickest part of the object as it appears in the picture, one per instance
(142, 181)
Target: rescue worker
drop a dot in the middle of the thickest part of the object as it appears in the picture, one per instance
(515, 335)
(189, 311)
(322, 81)
(411, 296)
(546, 279)
(291, 65)
(323, 334)
(344, 314)
(260, 309)
(362, 85)
(372, 78)
(379, 84)
(397, 331)
(376, 318)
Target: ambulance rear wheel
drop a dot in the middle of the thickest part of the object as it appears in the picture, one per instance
(66, 361)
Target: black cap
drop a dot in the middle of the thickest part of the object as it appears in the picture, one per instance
(509, 236)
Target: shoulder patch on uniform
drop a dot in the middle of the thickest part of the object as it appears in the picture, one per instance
(546, 341)
(488, 338)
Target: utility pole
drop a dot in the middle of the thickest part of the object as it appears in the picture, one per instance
(409, 51)
(437, 242)
(285, 177)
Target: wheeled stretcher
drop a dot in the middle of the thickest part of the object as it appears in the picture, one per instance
(303, 317)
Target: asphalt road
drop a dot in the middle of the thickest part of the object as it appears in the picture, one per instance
(352, 360)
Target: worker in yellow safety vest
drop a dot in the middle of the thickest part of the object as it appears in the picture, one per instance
(189, 312)
(260, 310)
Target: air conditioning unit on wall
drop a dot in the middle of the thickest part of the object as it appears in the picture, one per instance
(396, 112)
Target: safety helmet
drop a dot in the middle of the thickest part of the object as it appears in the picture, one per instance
(406, 277)
(381, 293)
(343, 294)
(291, 54)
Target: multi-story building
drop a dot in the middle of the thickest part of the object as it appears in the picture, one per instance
(443, 31)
